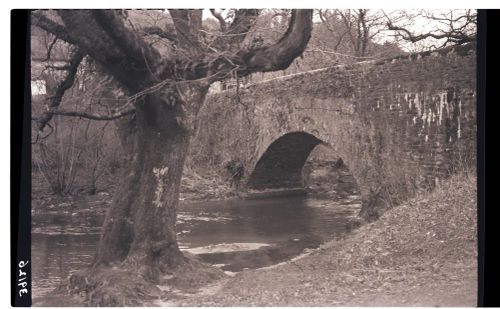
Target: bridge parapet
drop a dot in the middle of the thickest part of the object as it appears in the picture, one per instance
(399, 124)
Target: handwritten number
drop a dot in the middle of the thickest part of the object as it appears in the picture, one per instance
(23, 263)
(21, 278)
(23, 291)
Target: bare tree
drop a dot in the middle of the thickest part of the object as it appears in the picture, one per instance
(165, 92)
(66, 149)
(356, 27)
(441, 28)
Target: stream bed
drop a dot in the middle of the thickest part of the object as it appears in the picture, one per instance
(231, 234)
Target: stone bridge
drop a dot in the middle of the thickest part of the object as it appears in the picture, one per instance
(399, 124)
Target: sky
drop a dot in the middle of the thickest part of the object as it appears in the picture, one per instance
(416, 25)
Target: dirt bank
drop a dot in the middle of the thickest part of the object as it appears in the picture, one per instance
(202, 185)
(422, 253)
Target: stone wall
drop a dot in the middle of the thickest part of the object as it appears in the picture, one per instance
(399, 124)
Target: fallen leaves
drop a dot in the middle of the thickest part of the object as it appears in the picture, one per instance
(420, 253)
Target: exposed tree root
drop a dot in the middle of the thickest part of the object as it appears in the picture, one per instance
(124, 286)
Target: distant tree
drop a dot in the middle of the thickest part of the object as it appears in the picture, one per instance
(330, 42)
(436, 29)
(67, 151)
(356, 27)
(165, 88)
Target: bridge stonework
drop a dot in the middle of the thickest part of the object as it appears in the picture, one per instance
(399, 124)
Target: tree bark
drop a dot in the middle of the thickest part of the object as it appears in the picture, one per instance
(139, 229)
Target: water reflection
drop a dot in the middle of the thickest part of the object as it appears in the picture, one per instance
(251, 221)
(62, 243)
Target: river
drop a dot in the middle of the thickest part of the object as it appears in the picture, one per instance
(231, 234)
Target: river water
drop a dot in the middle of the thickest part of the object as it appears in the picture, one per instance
(232, 234)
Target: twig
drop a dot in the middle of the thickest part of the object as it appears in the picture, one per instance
(340, 54)
(65, 84)
(93, 116)
(49, 50)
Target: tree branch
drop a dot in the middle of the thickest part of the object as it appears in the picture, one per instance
(50, 26)
(324, 20)
(243, 21)
(187, 23)
(129, 42)
(232, 36)
(221, 20)
(273, 57)
(346, 19)
(65, 84)
(459, 38)
(168, 34)
(49, 49)
(118, 49)
(281, 54)
(93, 116)
(455, 30)
(58, 67)
(103, 35)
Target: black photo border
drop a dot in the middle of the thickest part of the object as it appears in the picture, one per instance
(20, 168)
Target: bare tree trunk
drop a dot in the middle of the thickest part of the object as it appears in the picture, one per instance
(139, 229)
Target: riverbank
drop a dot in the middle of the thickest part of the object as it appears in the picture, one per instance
(205, 184)
(422, 253)
(326, 178)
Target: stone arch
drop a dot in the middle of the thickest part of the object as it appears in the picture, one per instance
(281, 164)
